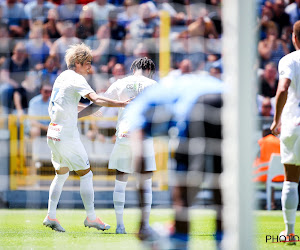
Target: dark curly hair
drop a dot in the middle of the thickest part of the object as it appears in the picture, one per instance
(143, 63)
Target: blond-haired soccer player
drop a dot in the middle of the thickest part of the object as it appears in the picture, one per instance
(287, 112)
(121, 156)
(68, 153)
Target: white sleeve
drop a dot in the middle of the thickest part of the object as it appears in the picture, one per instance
(285, 68)
(82, 87)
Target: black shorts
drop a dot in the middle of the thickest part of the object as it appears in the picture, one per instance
(200, 149)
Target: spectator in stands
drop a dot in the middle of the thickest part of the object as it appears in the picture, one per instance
(211, 60)
(268, 145)
(116, 2)
(286, 37)
(38, 106)
(104, 53)
(100, 8)
(5, 45)
(269, 81)
(50, 72)
(266, 108)
(117, 31)
(203, 26)
(177, 18)
(117, 36)
(215, 72)
(265, 111)
(185, 47)
(13, 12)
(185, 67)
(37, 49)
(69, 11)
(281, 18)
(85, 26)
(37, 10)
(140, 50)
(50, 25)
(129, 14)
(272, 49)
(60, 46)
(144, 27)
(266, 15)
(293, 10)
(13, 74)
(118, 72)
(215, 16)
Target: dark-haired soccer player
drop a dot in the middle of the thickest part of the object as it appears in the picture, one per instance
(121, 157)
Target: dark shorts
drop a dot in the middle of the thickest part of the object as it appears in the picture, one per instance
(200, 148)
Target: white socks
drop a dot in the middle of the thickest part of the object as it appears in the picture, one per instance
(289, 202)
(119, 200)
(87, 195)
(147, 201)
(55, 192)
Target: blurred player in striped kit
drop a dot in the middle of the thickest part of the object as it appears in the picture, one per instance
(187, 109)
(121, 156)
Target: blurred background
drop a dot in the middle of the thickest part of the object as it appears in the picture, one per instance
(180, 36)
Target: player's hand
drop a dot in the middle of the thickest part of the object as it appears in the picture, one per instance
(275, 128)
(128, 101)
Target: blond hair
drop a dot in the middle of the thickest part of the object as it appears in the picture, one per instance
(77, 53)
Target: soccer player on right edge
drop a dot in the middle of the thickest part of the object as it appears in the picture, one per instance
(287, 113)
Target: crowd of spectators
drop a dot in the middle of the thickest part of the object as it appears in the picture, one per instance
(275, 22)
(34, 35)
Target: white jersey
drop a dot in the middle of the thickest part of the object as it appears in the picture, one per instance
(68, 88)
(122, 90)
(289, 67)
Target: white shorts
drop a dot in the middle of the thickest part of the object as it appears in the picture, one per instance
(121, 156)
(290, 146)
(68, 153)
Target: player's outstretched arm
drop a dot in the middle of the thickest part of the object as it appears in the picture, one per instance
(280, 98)
(103, 101)
(91, 109)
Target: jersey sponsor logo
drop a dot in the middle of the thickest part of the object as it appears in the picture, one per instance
(124, 134)
(53, 139)
(135, 86)
(52, 127)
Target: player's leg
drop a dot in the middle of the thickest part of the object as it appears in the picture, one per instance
(289, 197)
(119, 199)
(205, 123)
(144, 167)
(87, 196)
(54, 195)
(145, 189)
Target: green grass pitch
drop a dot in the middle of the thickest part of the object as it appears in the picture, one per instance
(23, 229)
